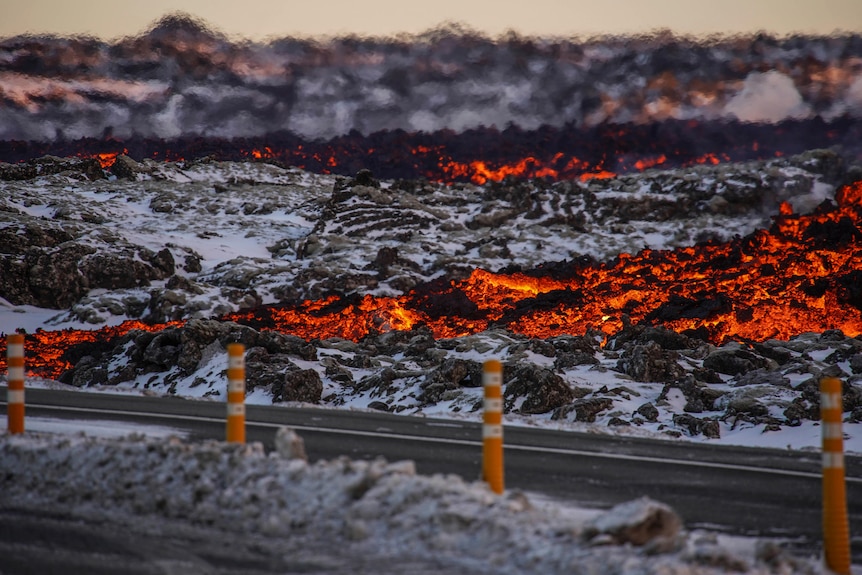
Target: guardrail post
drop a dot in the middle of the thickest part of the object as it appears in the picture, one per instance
(15, 385)
(236, 393)
(492, 428)
(836, 530)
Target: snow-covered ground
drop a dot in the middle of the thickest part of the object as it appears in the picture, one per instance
(372, 508)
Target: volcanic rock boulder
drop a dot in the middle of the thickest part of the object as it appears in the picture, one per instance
(47, 266)
(694, 426)
(14, 172)
(78, 168)
(163, 350)
(195, 336)
(452, 374)
(303, 385)
(735, 361)
(126, 168)
(648, 411)
(585, 409)
(113, 271)
(337, 372)
(531, 389)
(53, 278)
(762, 376)
(699, 396)
(640, 334)
(649, 362)
(88, 372)
(565, 360)
(379, 384)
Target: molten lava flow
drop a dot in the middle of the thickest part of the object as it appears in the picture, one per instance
(557, 167)
(850, 195)
(106, 159)
(647, 163)
(484, 154)
(802, 275)
(47, 350)
(707, 159)
(265, 154)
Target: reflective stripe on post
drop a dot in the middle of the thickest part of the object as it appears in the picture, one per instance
(836, 529)
(236, 393)
(492, 428)
(15, 386)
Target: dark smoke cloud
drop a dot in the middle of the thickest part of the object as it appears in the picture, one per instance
(180, 78)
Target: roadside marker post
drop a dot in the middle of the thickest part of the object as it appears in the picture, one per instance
(836, 529)
(492, 427)
(236, 393)
(15, 385)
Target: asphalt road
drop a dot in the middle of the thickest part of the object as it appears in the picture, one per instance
(765, 492)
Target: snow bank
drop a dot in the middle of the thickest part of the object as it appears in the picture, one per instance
(375, 507)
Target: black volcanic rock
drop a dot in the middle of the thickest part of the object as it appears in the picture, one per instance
(585, 410)
(695, 426)
(419, 235)
(734, 362)
(540, 390)
(127, 168)
(650, 362)
(301, 385)
(58, 277)
(642, 334)
(13, 172)
(386, 369)
(79, 168)
(450, 375)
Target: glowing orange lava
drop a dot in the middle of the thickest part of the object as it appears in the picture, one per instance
(106, 159)
(799, 276)
(46, 350)
(804, 274)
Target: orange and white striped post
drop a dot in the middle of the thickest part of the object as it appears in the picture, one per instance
(836, 529)
(15, 386)
(492, 427)
(236, 393)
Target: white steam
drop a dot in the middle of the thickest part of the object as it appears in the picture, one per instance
(767, 98)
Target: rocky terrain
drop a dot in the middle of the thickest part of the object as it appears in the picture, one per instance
(646, 380)
(193, 241)
(214, 237)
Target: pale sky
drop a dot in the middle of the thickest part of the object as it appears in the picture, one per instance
(262, 19)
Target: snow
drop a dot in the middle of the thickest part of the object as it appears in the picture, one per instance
(374, 507)
(30, 317)
(113, 428)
